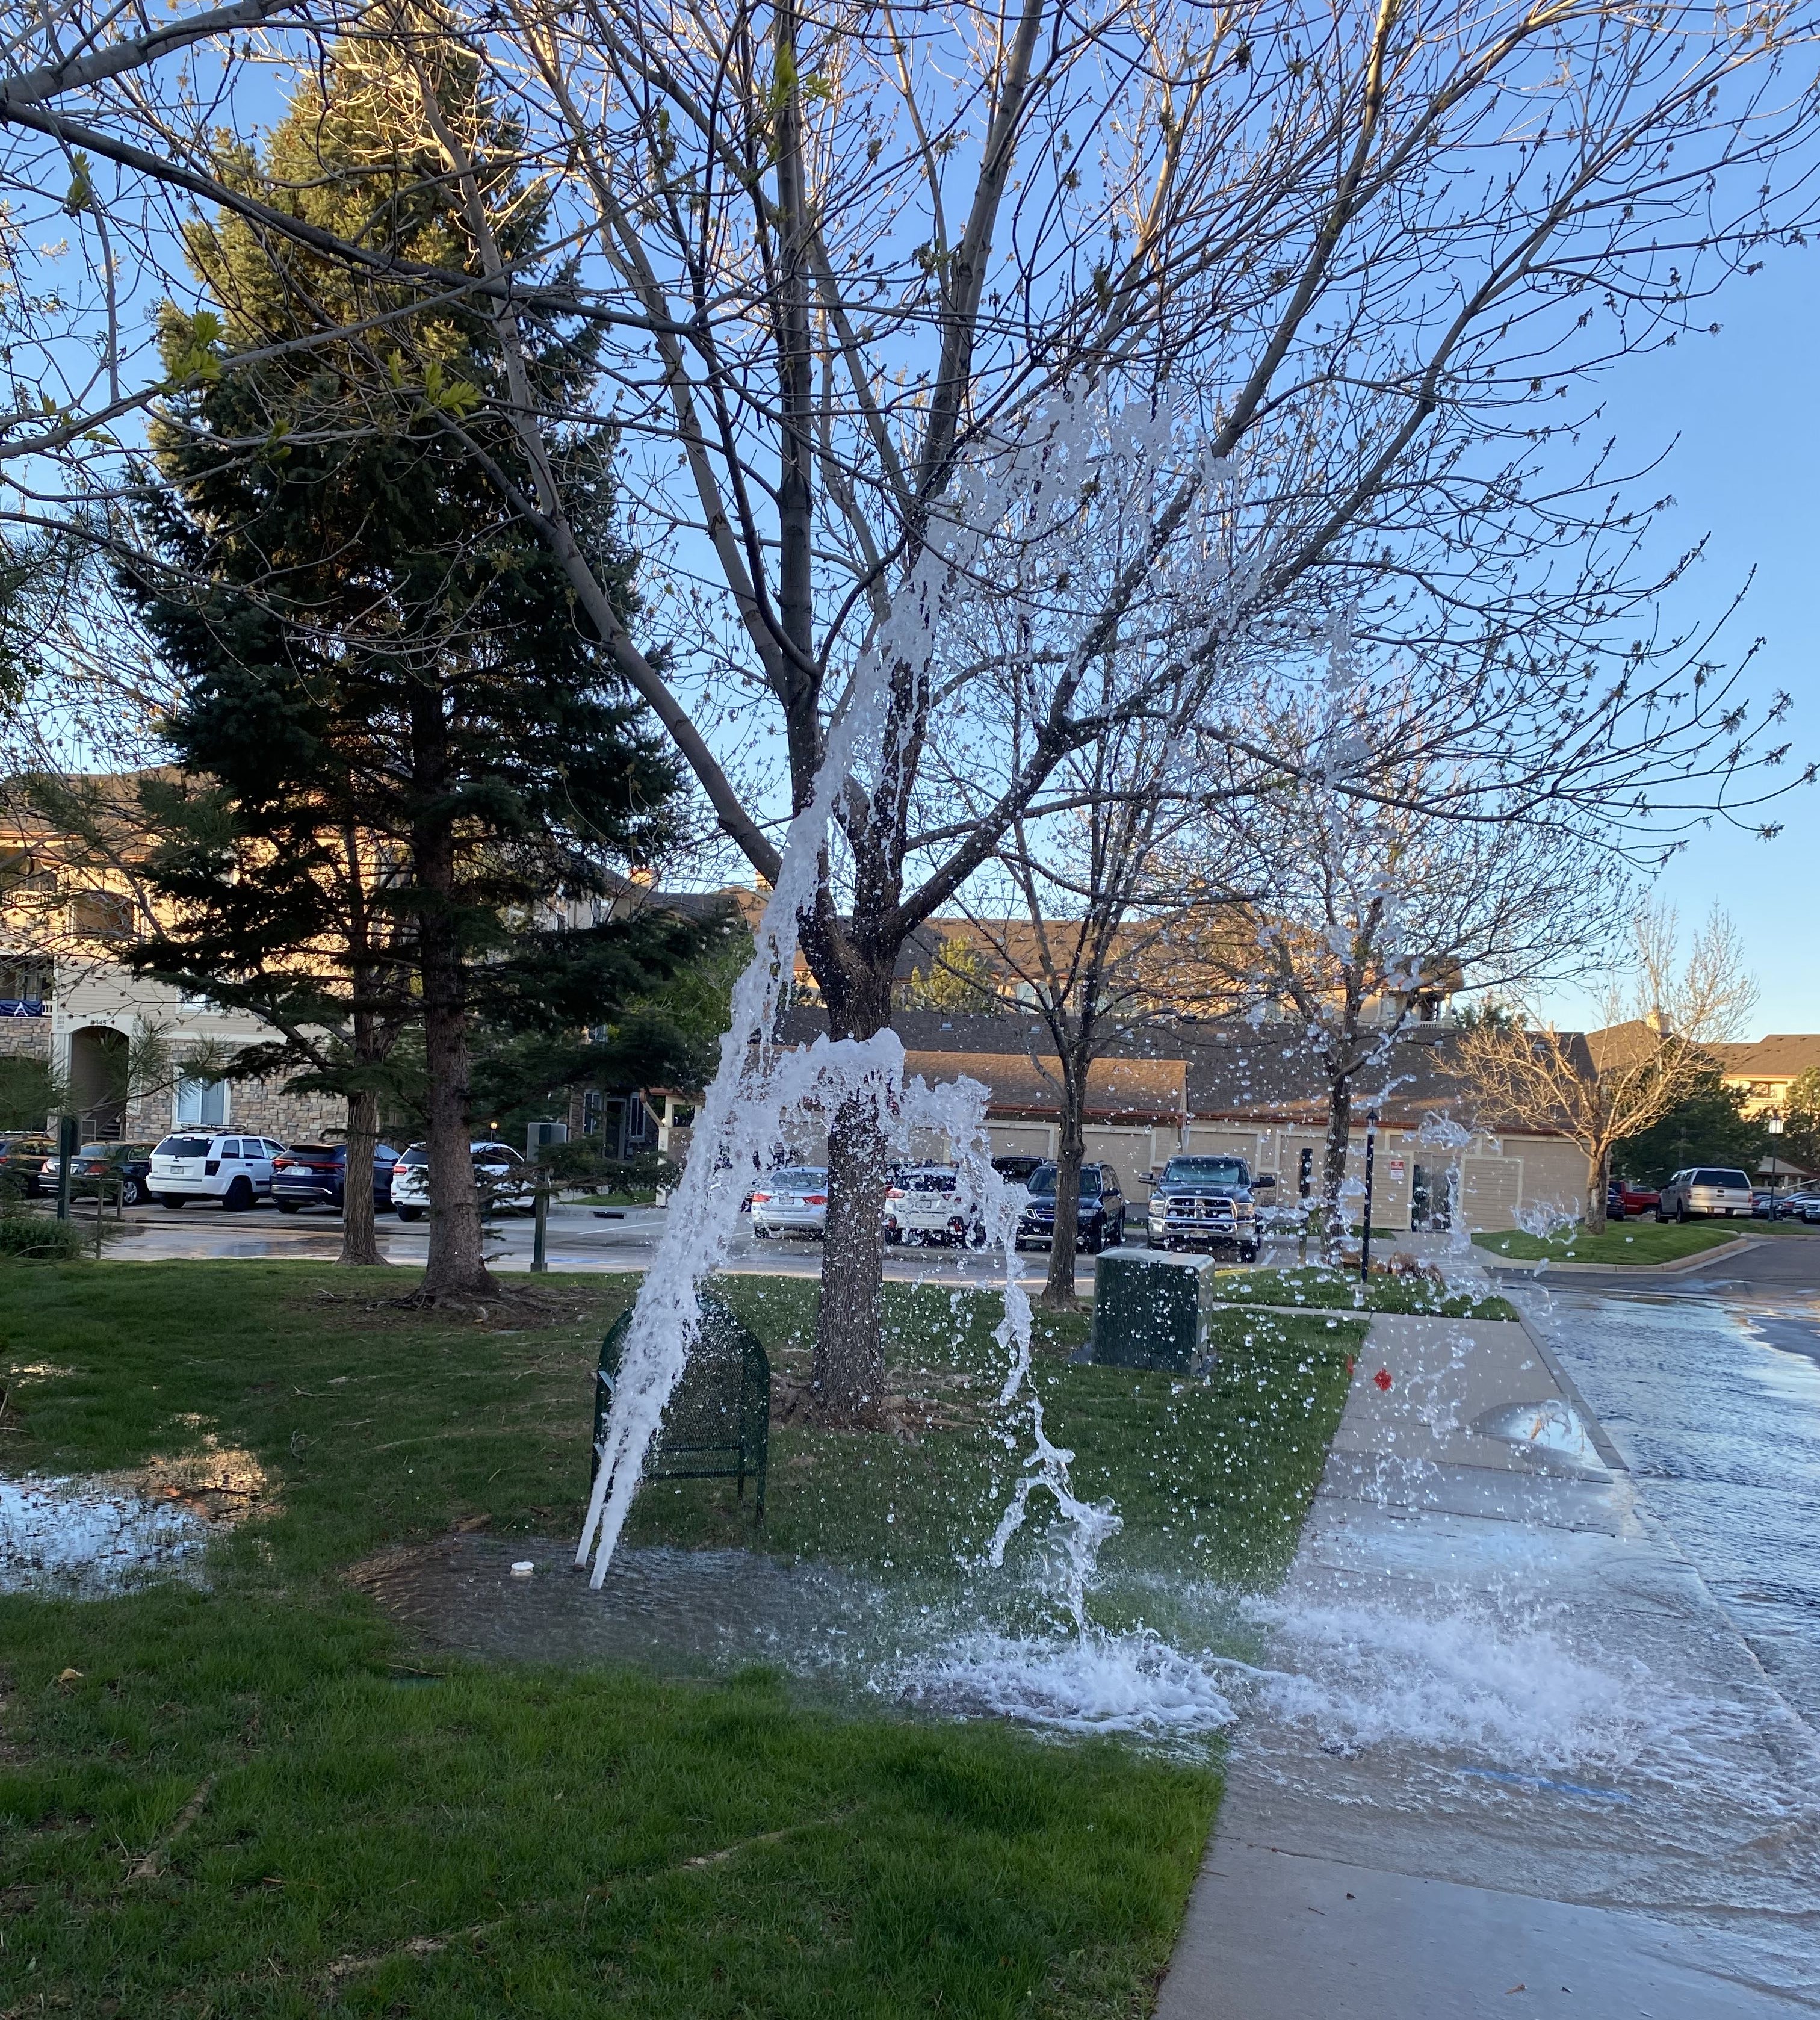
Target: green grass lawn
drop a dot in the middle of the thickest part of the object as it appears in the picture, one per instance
(251, 1799)
(1637, 1241)
(1326, 1289)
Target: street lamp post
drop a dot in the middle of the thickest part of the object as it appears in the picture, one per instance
(1370, 1158)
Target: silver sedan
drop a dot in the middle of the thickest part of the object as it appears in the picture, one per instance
(792, 1201)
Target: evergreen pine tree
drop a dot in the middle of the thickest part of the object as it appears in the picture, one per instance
(398, 736)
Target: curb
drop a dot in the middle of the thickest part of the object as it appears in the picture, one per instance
(1501, 1267)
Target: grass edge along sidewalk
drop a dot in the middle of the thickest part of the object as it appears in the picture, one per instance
(256, 1798)
(1647, 1244)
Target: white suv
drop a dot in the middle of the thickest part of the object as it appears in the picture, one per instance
(233, 1170)
(503, 1178)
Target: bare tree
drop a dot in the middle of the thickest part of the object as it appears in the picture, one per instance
(1105, 939)
(1624, 1077)
(838, 259)
(1369, 910)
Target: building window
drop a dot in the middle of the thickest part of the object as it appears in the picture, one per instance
(201, 1103)
(24, 982)
(102, 914)
(637, 1119)
(593, 1101)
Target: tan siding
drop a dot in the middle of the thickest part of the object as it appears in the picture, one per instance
(1491, 1192)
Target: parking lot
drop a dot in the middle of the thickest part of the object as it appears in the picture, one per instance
(580, 1237)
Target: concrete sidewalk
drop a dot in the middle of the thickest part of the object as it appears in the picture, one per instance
(1396, 1841)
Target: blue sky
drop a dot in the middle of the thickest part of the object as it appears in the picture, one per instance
(1743, 413)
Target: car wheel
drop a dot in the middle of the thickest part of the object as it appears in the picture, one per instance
(285, 1206)
(238, 1197)
(760, 1233)
(136, 1193)
(409, 1212)
(1660, 1216)
(1095, 1240)
(1681, 1213)
(1248, 1255)
(169, 1200)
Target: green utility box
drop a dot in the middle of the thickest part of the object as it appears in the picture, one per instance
(1153, 1310)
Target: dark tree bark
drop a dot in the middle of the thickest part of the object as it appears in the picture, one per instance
(848, 1373)
(1058, 1294)
(455, 1267)
(1339, 1130)
(360, 1247)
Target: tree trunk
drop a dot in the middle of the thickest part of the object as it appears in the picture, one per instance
(848, 1373)
(456, 1268)
(1598, 1170)
(1339, 1131)
(1059, 1291)
(360, 1247)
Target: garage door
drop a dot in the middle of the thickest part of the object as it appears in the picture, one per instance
(1022, 1140)
(1223, 1143)
(1127, 1151)
(1491, 1192)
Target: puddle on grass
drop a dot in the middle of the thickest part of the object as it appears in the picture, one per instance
(87, 1538)
(82, 1540)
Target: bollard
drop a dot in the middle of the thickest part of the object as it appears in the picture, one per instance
(540, 1230)
(69, 1134)
(1371, 1152)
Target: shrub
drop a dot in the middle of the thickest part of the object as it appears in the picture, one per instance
(37, 1237)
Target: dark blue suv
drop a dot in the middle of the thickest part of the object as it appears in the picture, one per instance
(316, 1174)
(1100, 1218)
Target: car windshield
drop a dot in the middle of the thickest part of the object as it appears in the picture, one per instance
(801, 1180)
(1708, 1177)
(1042, 1181)
(927, 1182)
(1204, 1172)
(326, 1154)
(183, 1146)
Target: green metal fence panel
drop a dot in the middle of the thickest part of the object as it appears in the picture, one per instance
(717, 1423)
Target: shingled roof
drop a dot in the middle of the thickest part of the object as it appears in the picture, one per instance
(1782, 1055)
(1227, 1072)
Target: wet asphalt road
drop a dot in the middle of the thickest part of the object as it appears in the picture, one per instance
(1711, 1396)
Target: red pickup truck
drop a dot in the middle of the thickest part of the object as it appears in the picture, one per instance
(1626, 1199)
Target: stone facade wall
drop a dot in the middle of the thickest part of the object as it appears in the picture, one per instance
(24, 1038)
(252, 1105)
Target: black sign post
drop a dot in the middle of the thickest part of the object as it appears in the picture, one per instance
(1370, 1156)
(69, 1132)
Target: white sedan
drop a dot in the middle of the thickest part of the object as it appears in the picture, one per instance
(791, 1201)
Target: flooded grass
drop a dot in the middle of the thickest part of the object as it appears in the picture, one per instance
(215, 1795)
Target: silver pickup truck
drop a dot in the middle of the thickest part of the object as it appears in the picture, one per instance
(1709, 1191)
